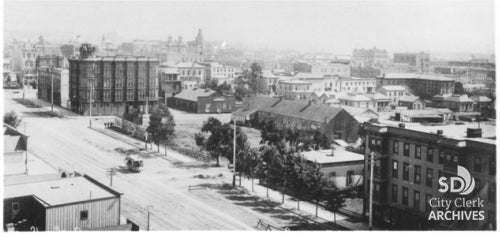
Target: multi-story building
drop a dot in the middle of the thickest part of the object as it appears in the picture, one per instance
(370, 57)
(179, 51)
(319, 82)
(409, 165)
(375, 101)
(168, 82)
(114, 85)
(365, 72)
(417, 62)
(455, 102)
(219, 72)
(323, 68)
(191, 74)
(294, 89)
(53, 85)
(29, 62)
(394, 92)
(423, 85)
(55, 61)
(355, 85)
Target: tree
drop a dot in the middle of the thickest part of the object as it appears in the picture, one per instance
(241, 92)
(335, 199)
(11, 119)
(247, 161)
(161, 127)
(220, 141)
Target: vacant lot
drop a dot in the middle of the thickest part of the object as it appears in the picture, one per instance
(188, 124)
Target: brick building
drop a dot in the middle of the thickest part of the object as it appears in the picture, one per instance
(335, 123)
(423, 85)
(115, 85)
(55, 81)
(410, 161)
(199, 100)
(417, 62)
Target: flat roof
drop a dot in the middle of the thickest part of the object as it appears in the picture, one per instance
(452, 131)
(59, 191)
(339, 156)
(415, 76)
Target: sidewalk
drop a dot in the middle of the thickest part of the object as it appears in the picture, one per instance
(172, 155)
(307, 207)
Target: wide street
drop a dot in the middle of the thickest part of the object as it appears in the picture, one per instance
(68, 144)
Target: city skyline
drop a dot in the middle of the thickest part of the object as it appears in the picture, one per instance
(334, 26)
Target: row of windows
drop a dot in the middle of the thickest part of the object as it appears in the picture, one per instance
(443, 156)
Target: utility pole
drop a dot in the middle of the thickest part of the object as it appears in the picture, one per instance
(370, 222)
(91, 95)
(149, 215)
(111, 172)
(234, 154)
(52, 91)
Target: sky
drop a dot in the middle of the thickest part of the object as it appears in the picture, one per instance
(329, 26)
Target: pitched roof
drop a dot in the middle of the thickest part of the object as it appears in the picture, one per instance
(480, 99)
(193, 94)
(302, 110)
(253, 104)
(458, 98)
(376, 96)
(358, 111)
(306, 76)
(189, 65)
(357, 97)
(409, 98)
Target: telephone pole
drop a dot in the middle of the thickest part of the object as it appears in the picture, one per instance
(234, 153)
(111, 172)
(149, 215)
(370, 222)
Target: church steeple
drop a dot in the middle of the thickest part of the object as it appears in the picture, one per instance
(199, 37)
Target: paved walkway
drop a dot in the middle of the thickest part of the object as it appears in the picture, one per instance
(291, 203)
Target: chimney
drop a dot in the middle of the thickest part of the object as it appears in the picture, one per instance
(474, 132)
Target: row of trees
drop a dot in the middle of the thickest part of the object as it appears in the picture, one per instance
(275, 163)
(298, 140)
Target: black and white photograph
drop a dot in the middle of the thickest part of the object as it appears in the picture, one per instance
(338, 115)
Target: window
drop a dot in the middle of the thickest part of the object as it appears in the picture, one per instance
(15, 207)
(492, 191)
(395, 147)
(417, 174)
(429, 177)
(406, 149)
(477, 164)
(405, 196)
(84, 215)
(394, 194)
(418, 151)
(441, 157)
(395, 169)
(406, 171)
(416, 199)
(428, 198)
(349, 178)
(207, 107)
(492, 165)
(430, 154)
